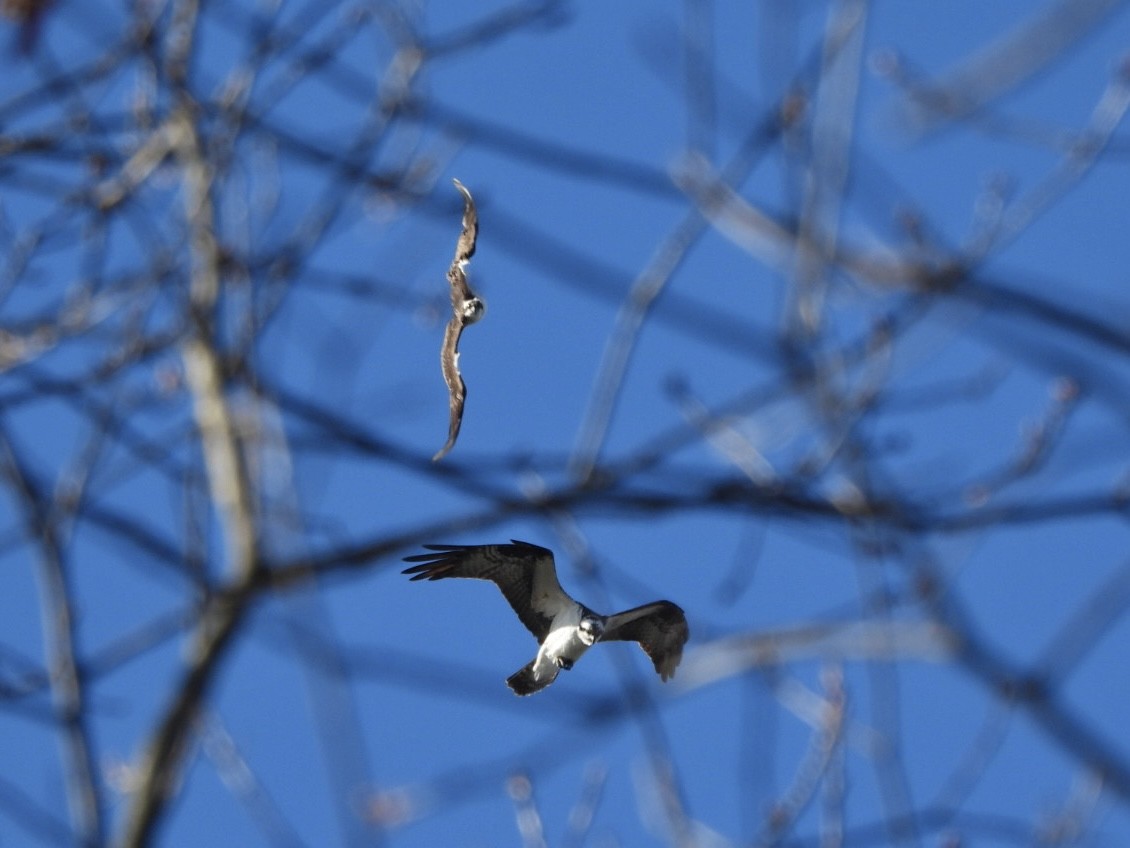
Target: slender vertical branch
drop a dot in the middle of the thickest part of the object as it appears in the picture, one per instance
(223, 455)
(160, 773)
(60, 640)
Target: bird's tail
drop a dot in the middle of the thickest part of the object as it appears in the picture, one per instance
(526, 682)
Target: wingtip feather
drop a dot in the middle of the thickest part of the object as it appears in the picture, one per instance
(524, 682)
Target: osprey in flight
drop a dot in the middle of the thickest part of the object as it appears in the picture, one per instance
(466, 308)
(564, 628)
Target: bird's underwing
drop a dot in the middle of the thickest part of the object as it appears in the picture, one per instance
(466, 308)
(565, 629)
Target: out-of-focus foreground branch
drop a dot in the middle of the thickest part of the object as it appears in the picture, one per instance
(223, 229)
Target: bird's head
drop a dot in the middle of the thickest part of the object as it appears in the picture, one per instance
(590, 630)
(473, 310)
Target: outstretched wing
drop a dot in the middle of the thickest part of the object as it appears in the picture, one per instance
(661, 629)
(525, 573)
(466, 309)
(465, 247)
(456, 388)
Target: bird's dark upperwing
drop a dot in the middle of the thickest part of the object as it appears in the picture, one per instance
(660, 628)
(456, 388)
(525, 573)
(465, 247)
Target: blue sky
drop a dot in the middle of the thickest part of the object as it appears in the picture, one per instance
(574, 134)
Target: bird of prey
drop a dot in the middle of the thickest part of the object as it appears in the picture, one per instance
(564, 628)
(466, 308)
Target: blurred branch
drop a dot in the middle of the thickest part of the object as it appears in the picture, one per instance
(159, 775)
(218, 746)
(648, 286)
(67, 675)
(699, 94)
(224, 460)
(977, 81)
(865, 640)
(583, 813)
(1077, 161)
(521, 791)
(1107, 605)
(204, 370)
(827, 167)
(23, 810)
(812, 768)
(1031, 691)
(780, 246)
(211, 221)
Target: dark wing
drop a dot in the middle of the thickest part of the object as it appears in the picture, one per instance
(465, 247)
(466, 309)
(660, 628)
(461, 293)
(456, 388)
(525, 573)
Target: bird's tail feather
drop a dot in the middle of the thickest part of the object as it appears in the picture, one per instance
(525, 682)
